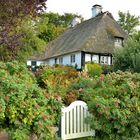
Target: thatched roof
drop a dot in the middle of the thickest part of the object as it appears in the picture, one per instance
(95, 35)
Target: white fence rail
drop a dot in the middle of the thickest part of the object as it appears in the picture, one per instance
(73, 121)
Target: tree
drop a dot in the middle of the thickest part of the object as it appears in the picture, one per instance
(56, 24)
(24, 33)
(62, 20)
(128, 22)
(12, 14)
(31, 43)
(28, 44)
(136, 36)
(128, 57)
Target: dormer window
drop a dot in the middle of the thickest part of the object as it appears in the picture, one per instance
(118, 41)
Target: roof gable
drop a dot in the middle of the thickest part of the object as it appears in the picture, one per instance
(94, 35)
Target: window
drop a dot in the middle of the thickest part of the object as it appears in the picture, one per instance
(95, 58)
(61, 60)
(55, 60)
(118, 41)
(72, 58)
(104, 60)
(33, 65)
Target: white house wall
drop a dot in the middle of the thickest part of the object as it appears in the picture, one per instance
(78, 60)
(29, 63)
(67, 60)
(51, 61)
(109, 60)
(38, 63)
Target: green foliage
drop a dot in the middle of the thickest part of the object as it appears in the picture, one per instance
(26, 36)
(114, 103)
(136, 36)
(56, 25)
(24, 107)
(107, 68)
(61, 20)
(51, 32)
(128, 22)
(31, 43)
(94, 69)
(128, 57)
(86, 138)
(12, 15)
(78, 90)
(55, 79)
(122, 60)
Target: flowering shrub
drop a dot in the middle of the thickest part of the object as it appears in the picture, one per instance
(56, 78)
(107, 68)
(94, 69)
(79, 90)
(24, 107)
(115, 106)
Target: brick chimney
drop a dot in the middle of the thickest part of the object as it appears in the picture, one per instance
(96, 9)
(75, 21)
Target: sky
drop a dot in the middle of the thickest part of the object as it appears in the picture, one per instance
(83, 7)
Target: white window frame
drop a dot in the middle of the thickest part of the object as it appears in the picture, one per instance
(73, 58)
(104, 59)
(118, 41)
(60, 60)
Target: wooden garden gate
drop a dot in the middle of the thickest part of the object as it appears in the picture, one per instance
(73, 121)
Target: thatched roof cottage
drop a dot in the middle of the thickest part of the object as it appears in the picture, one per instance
(93, 40)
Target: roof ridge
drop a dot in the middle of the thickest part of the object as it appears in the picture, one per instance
(108, 14)
(91, 35)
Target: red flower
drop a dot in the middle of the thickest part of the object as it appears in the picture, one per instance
(40, 124)
(44, 117)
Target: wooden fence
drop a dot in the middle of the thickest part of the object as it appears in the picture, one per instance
(73, 121)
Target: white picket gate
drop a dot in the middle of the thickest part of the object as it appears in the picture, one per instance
(73, 121)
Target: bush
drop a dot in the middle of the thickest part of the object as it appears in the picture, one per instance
(24, 107)
(79, 90)
(107, 69)
(94, 69)
(115, 106)
(55, 79)
(128, 57)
